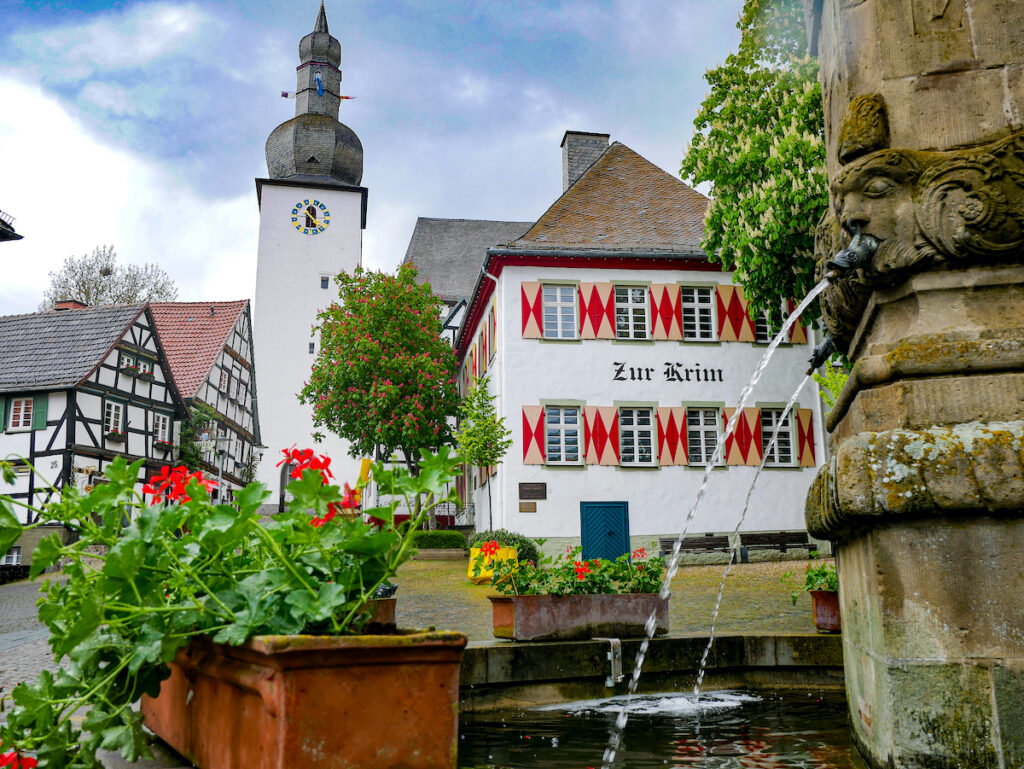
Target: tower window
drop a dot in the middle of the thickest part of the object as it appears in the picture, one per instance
(311, 216)
(324, 281)
(312, 347)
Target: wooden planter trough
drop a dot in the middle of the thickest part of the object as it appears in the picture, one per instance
(316, 702)
(574, 617)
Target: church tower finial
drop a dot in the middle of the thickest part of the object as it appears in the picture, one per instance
(321, 20)
(302, 145)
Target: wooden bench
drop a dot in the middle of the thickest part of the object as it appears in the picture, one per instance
(774, 540)
(708, 543)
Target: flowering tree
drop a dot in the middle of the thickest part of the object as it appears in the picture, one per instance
(482, 436)
(384, 379)
(760, 143)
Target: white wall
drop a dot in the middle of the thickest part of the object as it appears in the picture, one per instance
(288, 297)
(530, 371)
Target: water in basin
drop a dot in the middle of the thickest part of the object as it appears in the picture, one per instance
(721, 730)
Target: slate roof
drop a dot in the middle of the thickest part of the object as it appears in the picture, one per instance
(622, 203)
(448, 252)
(192, 336)
(58, 348)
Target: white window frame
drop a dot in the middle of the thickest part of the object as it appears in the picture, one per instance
(161, 427)
(762, 329)
(110, 423)
(556, 433)
(23, 423)
(126, 359)
(637, 438)
(225, 380)
(781, 454)
(557, 307)
(630, 311)
(12, 557)
(145, 366)
(698, 310)
(702, 438)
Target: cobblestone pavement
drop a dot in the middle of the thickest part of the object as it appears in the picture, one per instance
(23, 648)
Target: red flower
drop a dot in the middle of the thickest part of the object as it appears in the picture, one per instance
(307, 459)
(170, 485)
(14, 761)
(582, 569)
(639, 553)
(489, 548)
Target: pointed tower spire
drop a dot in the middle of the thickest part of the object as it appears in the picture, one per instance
(321, 20)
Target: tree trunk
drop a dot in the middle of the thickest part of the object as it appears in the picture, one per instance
(490, 508)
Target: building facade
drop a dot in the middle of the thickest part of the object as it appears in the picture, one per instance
(312, 214)
(617, 352)
(78, 388)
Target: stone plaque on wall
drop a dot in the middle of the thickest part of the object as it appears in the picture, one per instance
(533, 491)
(527, 507)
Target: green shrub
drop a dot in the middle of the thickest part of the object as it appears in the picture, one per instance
(526, 548)
(430, 540)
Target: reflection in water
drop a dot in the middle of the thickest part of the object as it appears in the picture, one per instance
(721, 730)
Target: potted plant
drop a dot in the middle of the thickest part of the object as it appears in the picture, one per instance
(242, 637)
(116, 436)
(163, 445)
(822, 581)
(130, 369)
(569, 598)
(512, 546)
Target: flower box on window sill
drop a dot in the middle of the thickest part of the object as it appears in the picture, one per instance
(130, 370)
(116, 436)
(146, 376)
(163, 445)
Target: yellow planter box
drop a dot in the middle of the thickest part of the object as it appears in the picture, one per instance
(503, 554)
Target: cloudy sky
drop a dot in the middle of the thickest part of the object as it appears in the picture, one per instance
(142, 124)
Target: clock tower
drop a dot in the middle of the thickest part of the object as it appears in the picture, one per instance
(312, 215)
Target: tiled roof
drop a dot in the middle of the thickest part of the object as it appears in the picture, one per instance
(448, 252)
(622, 203)
(192, 334)
(47, 350)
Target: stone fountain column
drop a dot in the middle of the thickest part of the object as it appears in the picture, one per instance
(924, 494)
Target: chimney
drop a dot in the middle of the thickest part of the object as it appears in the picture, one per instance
(579, 152)
(69, 304)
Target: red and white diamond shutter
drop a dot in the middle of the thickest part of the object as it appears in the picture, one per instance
(533, 435)
(597, 310)
(666, 312)
(533, 310)
(805, 437)
(600, 435)
(798, 332)
(743, 447)
(672, 447)
(734, 323)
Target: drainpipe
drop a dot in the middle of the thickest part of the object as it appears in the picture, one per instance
(490, 504)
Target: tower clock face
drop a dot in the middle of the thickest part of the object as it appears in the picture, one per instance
(310, 217)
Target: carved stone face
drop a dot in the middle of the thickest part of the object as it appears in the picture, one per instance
(877, 192)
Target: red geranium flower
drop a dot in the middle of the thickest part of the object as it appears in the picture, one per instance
(582, 569)
(14, 761)
(489, 548)
(640, 553)
(170, 485)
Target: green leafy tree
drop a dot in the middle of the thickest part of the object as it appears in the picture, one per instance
(96, 279)
(384, 378)
(760, 144)
(200, 418)
(482, 437)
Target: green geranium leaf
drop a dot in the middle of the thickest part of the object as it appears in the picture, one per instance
(251, 497)
(124, 559)
(47, 552)
(10, 529)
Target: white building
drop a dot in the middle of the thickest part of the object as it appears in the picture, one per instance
(78, 387)
(617, 352)
(312, 214)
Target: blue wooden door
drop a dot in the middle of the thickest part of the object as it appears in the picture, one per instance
(604, 528)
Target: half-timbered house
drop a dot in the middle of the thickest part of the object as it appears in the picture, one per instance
(210, 353)
(78, 387)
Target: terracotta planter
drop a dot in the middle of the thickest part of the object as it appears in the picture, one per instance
(573, 617)
(316, 702)
(503, 554)
(826, 611)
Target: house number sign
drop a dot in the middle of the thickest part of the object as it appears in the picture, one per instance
(671, 372)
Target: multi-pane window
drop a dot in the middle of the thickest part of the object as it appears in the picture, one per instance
(113, 417)
(125, 359)
(762, 329)
(324, 281)
(559, 312)
(630, 312)
(12, 557)
(21, 414)
(145, 366)
(781, 453)
(225, 380)
(636, 436)
(701, 434)
(161, 427)
(698, 314)
(562, 431)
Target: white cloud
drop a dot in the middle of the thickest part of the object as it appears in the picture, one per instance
(117, 41)
(109, 97)
(70, 193)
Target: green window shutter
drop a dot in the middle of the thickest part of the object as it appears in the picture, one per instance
(3, 413)
(39, 404)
